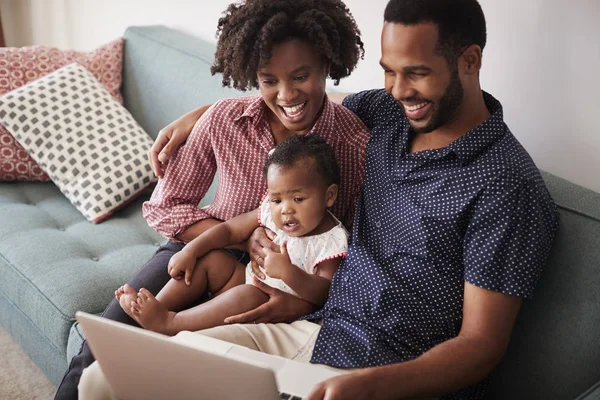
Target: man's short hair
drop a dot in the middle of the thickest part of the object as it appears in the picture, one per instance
(461, 23)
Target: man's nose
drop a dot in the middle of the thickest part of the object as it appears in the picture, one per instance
(402, 89)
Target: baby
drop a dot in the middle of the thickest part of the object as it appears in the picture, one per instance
(302, 179)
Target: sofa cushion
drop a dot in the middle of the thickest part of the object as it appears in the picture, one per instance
(53, 262)
(18, 66)
(554, 352)
(87, 142)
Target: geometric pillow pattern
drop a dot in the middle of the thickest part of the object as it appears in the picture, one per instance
(19, 66)
(85, 140)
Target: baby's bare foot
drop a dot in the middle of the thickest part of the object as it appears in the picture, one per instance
(152, 315)
(126, 296)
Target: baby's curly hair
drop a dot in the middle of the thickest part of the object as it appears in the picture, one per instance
(249, 30)
(308, 147)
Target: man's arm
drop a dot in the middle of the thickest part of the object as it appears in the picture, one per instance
(171, 137)
(488, 320)
(176, 133)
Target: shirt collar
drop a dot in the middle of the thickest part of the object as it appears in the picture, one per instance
(252, 109)
(256, 108)
(478, 139)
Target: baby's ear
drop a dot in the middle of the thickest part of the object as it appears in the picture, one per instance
(331, 194)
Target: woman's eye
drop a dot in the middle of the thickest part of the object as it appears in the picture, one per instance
(301, 78)
(268, 82)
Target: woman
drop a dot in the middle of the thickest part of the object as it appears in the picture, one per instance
(286, 49)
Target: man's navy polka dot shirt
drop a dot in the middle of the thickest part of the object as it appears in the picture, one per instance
(476, 211)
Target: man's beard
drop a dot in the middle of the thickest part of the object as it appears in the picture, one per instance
(447, 106)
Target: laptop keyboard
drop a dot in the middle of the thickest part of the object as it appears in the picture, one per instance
(286, 396)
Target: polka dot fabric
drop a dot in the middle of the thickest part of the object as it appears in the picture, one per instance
(19, 66)
(475, 211)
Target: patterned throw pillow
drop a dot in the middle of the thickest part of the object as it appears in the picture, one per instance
(85, 140)
(19, 66)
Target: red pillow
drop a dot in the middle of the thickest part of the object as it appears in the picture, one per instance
(19, 66)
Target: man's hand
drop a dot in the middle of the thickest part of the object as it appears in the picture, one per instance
(275, 264)
(182, 264)
(281, 307)
(170, 138)
(261, 239)
(352, 386)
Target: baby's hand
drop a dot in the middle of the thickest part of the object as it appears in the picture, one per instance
(276, 263)
(181, 265)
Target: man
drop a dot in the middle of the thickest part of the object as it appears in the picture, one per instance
(452, 230)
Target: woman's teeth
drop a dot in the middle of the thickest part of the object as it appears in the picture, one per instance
(295, 110)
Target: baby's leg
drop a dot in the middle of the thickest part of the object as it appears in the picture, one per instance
(213, 272)
(154, 316)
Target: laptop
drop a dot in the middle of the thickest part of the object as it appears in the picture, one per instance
(140, 364)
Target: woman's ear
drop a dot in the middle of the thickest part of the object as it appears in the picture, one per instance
(331, 194)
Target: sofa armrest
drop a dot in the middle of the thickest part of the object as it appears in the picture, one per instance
(592, 393)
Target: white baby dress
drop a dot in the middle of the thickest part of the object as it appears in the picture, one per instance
(305, 252)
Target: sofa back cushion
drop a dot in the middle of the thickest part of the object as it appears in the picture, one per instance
(554, 352)
(156, 60)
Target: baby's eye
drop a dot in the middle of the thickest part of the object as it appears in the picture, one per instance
(276, 201)
(298, 199)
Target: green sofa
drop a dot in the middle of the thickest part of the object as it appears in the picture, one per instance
(53, 262)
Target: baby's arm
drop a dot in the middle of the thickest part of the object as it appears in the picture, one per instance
(233, 231)
(313, 288)
(230, 232)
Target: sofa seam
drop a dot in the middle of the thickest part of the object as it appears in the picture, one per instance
(578, 212)
(15, 269)
(16, 307)
(139, 32)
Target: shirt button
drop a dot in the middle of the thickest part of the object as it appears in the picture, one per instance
(395, 187)
(378, 224)
(346, 279)
(95, 259)
(327, 314)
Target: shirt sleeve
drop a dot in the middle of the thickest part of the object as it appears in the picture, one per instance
(173, 206)
(510, 236)
(364, 105)
(335, 246)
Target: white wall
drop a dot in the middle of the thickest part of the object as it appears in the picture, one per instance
(542, 60)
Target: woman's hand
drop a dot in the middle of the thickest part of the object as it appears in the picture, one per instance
(281, 307)
(182, 265)
(170, 138)
(261, 239)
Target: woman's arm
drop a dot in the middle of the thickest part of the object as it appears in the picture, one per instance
(173, 207)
